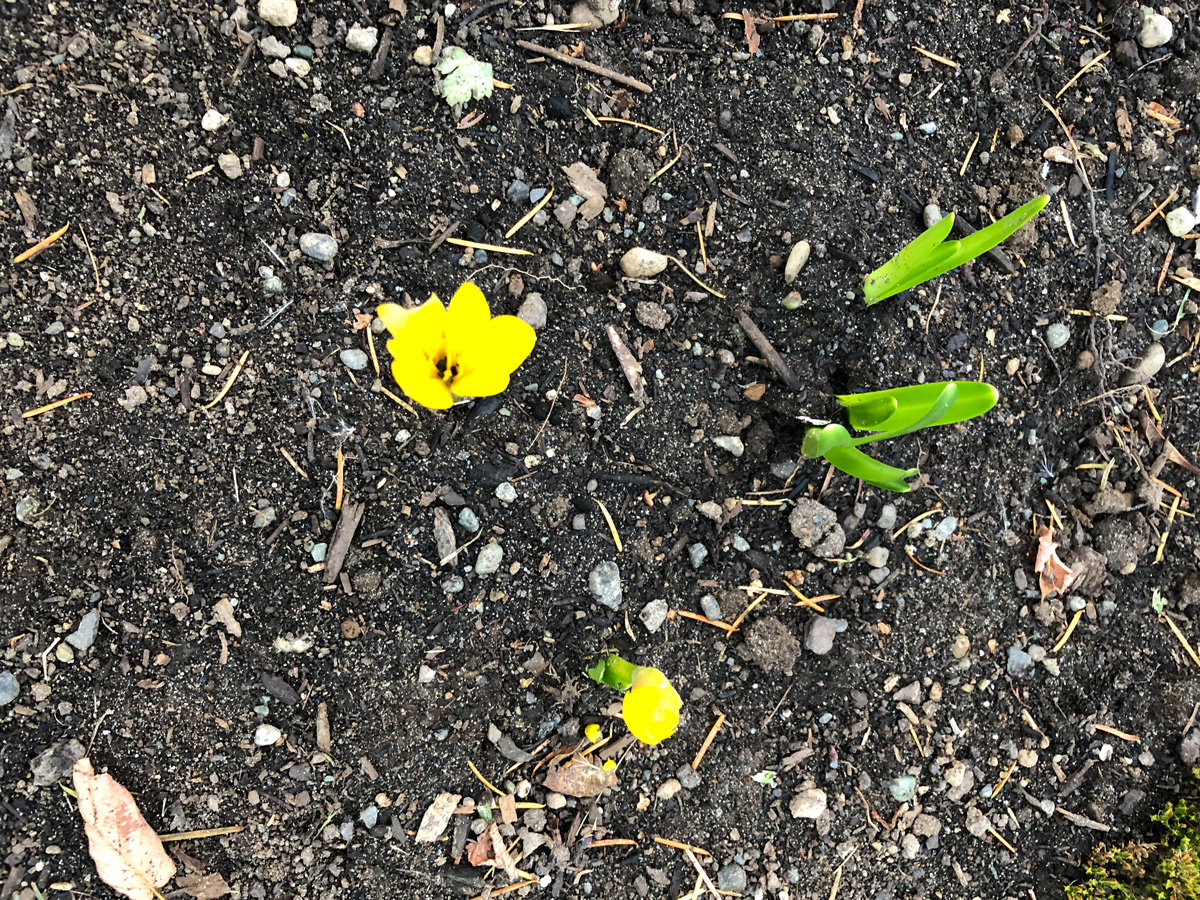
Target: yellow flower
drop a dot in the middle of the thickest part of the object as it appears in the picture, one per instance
(439, 354)
(592, 732)
(651, 706)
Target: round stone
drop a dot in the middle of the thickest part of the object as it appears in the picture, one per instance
(362, 40)
(278, 12)
(213, 120)
(1156, 31)
(1181, 221)
(319, 246)
(355, 359)
(1057, 335)
(488, 561)
(266, 735)
(505, 492)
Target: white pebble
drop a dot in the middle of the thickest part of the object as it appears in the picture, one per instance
(213, 120)
(266, 735)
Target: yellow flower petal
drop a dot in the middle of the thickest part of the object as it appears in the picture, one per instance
(467, 318)
(484, 365)
(651, 706)
(417, 346)
(422, 384)
(392, 315)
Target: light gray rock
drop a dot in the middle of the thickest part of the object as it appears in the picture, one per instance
(604, 582)
(505, 492)
(654, 614)
(1181, 221)
(362, 40)
(533, 312)
(1189, 747)
(266, 735)
(488, 560)
(820, 635)
(1019, 662)
(468, 520)
(230, 164)
(355, 359)
(319, 246)
(710, 607)
(808, 804)
(810, 521)
(1057, 335)
(730, 443)
(273, 48)
(697, 553)
(9, 687)
(278, 12)
(731, 877)
(1156, 31)
(84, 635)
(652, 315)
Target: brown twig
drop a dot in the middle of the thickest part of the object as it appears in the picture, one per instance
(782, 369)
(586, 66)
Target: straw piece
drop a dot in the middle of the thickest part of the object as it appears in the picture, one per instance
(1067, 634)
(667, 842)
(237, 370)
(524, 220)
(55, 405)
(40, 245)
(712, 733)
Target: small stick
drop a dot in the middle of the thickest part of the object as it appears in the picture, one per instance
(1146, 221)
(665, 168)
(745, 612)
(994, 833)
(295, 465)
(712, 733)
(1067, 634)
(703, 875)
(916, 740)
(1003, 780)
(1079, 73)
(667, 842)
(371, 347)
(612, 526)
(341, 459)
(95, 268)
(202, 833)
(472, 245)
(40, 245)
(545, 421)
(966, 162)
(802, 17)
(620, 121)
(807, 601)
(685, 271)
(228, 384)
(918, 563)
(609, 842)
(586, 66)
(1163, 274)
(487, 784)
(631, 368)
(393, 397)
(55, 405)
(1183, 640)
(704, 253)
(524, 220)
(699, 618)
(1125, 736)
(945, 62)
(782, 369)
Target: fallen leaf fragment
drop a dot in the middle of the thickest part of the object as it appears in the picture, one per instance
(579, 778)
(751, 32)
(128, 855)
(489, 850)
(1053, 573)
(203, 887)
(434, 822)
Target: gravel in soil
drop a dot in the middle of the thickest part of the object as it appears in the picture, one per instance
(246, 183)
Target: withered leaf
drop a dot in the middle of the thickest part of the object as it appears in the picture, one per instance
(1053, 573)
(751, 32)
(203, 887)
(579, 778)
(489, 850)
(584, 181)
(434, 822)
(128, 855)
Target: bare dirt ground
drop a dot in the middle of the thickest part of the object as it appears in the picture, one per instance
(170, 576)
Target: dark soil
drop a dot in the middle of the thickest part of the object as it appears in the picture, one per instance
(141, 502)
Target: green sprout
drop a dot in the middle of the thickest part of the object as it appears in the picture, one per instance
(891, 413)
(931, 255)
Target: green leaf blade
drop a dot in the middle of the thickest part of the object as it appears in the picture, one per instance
(857, 464)
(879, 285)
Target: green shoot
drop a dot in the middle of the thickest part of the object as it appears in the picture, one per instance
(891, 413)
(930, 255)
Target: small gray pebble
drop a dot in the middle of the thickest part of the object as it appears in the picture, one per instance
(355, 359)
(533, 312)
(318, 246)
(945, 528)
(697, 552)
(1057, 335)
(518, 193)
(604, 582)
(84, 636)
(654, 614)
(536, 194)
(820, 635)
(468, 520)
(740, 544)
(688, 777)
(730, 443)
(710, 607)
(878, 557)
(887, 517)
(505, 492)
(369, 816)
(453, 584)
(1019, 662)
(488, 561)
(9, 688)
(731, 877)
(579, 522)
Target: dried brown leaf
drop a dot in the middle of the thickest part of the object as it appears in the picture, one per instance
(128, 855)
(584, 181)
(434, 822)
(1053, 573)
(203, 887)
(751, 32)
(579, 778)
(1124, 127)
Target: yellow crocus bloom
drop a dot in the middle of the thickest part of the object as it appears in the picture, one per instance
(440, 354)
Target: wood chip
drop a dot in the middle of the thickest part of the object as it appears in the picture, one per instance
(343, 536)
(324, 739)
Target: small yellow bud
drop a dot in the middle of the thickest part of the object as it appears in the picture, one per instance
(592, 732)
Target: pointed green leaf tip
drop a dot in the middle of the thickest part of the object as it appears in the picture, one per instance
(926, 257)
